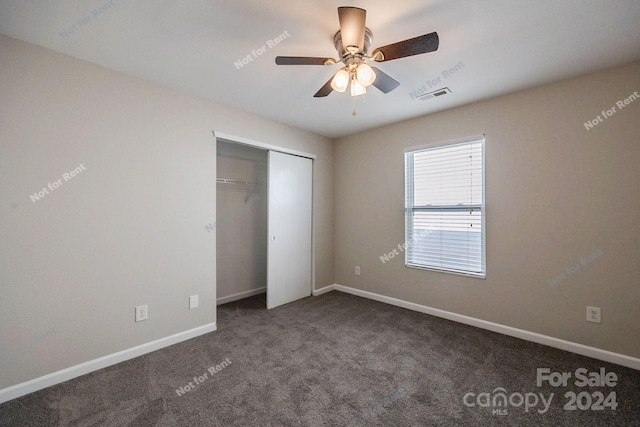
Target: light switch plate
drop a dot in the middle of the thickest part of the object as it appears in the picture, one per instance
(193, 302)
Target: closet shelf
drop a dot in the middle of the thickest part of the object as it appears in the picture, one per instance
(234, 181)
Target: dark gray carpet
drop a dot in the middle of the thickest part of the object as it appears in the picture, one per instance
(332, 360)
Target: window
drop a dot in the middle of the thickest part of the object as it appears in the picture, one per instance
(444, 208)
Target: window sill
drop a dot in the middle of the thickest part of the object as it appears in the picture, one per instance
(441, 270)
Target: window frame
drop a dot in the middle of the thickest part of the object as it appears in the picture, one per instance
(409, 232)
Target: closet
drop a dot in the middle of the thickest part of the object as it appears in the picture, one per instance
(263, 224)
(241, 221)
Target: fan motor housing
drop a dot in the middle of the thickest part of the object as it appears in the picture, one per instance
(344, 55)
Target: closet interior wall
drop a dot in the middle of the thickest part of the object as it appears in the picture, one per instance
(241, 223)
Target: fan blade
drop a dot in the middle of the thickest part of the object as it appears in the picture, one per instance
(384, 82)
(324, 90)
(301, 60)
(415, 46)
(352, 21)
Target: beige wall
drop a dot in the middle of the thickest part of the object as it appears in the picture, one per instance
(129, 229)
(555, 193)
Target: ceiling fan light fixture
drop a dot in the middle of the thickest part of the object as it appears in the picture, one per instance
(340, 81)
(357, 88)
(365, 74)
(352, 42)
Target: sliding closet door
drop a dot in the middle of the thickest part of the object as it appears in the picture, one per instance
(289, 228)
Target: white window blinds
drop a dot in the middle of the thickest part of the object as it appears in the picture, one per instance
(444, 208)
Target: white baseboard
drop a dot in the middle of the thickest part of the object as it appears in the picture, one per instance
(67, 374)
(240, 295)
(324, 290)
(584, 350)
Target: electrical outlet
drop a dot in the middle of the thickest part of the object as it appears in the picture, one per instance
(142, 313)
(357, 270)
(193, 302)
(594, 315)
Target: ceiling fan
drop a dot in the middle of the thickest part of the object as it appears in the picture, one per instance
(352, 42)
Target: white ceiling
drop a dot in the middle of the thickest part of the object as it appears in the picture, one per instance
(502, 46)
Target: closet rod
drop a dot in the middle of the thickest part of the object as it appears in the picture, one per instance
(233, 181)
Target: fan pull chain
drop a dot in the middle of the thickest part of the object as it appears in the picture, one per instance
(364, 101)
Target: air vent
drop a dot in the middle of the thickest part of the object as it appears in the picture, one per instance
(436, 93)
